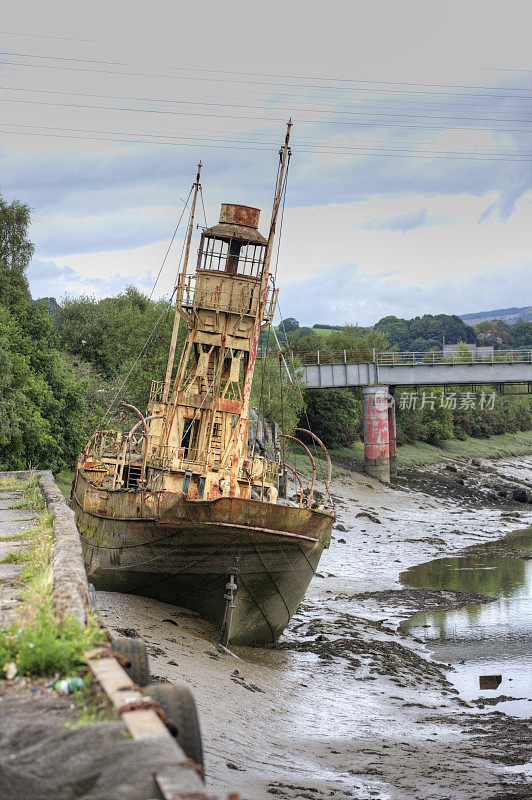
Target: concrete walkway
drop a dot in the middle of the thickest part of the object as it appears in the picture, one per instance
(14, 522)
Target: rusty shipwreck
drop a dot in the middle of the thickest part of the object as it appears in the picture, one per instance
(177, 509)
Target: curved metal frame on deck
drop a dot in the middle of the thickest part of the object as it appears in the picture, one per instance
(327, 456)
(298, 476)
(313, 464)
(142, 422)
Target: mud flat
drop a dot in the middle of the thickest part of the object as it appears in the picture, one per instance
(349, 704)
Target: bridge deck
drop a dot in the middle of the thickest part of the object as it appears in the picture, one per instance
(416, 369)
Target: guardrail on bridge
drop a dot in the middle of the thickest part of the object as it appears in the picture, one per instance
(414, 358)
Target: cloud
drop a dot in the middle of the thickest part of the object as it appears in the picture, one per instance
(401, 223)
(48, 279)
(344, 294)
(62, 235)
(503, 208)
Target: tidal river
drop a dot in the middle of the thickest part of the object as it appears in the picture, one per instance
(353, 701)
(484, 640)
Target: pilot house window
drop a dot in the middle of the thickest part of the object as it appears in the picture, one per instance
(234, 256)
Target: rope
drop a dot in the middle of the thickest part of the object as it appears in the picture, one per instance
(282, 413)
(261, 394)
(145, 704)
(162, 344)
(185, 202)
(313, 445)
(283, 192)
(164, 313)
(203, 205)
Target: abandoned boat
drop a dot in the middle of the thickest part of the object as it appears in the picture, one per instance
(177, 509)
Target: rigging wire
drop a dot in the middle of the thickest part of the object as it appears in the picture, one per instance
(283, 194)
(142, 352)
(185, 205)
(298, 388)
(203, 205)
(165, 313)
(264, 361)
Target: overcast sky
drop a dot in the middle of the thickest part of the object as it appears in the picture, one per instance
(410, 184)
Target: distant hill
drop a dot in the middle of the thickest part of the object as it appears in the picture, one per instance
(508, 315)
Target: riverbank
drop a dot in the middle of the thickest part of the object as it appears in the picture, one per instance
(419, 454)
(347, 704)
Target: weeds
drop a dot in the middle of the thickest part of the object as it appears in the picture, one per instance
(10, 484)
(46, 646)
(39, 644)
(15, 557)
(64, 481)
(33, 497)
(92, 705)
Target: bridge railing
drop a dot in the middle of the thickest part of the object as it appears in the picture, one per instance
(416, 358)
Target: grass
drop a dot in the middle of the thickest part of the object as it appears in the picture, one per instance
(64, 481)
(505, 445)
(92, 705)
(301, 462)
(32, 496)
(15, 557)
(11, 484)
(324, 332)
(39, 643)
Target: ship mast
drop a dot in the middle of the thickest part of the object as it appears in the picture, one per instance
(242, 435)
(180, 284)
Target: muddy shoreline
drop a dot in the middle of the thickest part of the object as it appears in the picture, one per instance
(346, 704)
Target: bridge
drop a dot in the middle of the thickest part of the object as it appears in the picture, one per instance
(379, 373)
(327, 370)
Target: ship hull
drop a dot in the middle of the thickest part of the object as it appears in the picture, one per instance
(162, 546)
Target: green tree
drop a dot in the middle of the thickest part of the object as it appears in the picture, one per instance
(521, 334)
(40, 404)
(288, 325)
(494, 332)
(333, 415)
(428, 419)
(278, 397)
(121, 336)
(16, 252)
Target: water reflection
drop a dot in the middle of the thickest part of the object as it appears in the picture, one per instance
(481, 639)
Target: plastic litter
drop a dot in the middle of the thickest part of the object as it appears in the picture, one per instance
(10, 670)
(68, 685)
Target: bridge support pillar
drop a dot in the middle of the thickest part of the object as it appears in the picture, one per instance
(376, 432)
(392, 435)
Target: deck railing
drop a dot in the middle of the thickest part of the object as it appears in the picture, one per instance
(415, 358)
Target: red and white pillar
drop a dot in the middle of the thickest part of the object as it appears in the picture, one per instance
(377, 432)
(392, 435)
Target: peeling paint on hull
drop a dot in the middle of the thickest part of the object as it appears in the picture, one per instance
(185, 556)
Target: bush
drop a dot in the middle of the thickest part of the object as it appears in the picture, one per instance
(333, 415)
(47, 646)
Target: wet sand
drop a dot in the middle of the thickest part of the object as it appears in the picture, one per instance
(347, 705)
